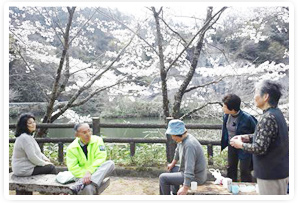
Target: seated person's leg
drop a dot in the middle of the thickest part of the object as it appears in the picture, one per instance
(168, 179)
(96, 179)
(88, 190)
(174, 188)
(47, 169)
(103, 171)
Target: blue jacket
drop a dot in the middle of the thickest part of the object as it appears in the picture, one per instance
(246, 125)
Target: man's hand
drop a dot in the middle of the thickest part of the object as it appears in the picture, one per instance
(183, 190)
(170, 166)
(87, 178)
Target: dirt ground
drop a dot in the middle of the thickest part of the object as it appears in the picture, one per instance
(127, 186)
(132, 186)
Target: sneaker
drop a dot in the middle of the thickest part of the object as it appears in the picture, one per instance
(77, 187)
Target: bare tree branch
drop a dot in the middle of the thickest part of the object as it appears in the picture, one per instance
(204, 85)
(84, 68)
(109, 67)
(97, 91)
(199, 108)
(204, 28)
(121, 23)
(196, 54)
(87, 85)
(173, 30)
(80, 30)
(59, 22)
(54, 29)
(33, 73)
(221, 50)
(18, 38)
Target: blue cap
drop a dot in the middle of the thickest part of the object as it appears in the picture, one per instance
(176, 127)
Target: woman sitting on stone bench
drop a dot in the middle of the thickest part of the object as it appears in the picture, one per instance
(27, 158)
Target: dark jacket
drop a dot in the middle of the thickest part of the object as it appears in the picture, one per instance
(246, 125)
(274, 164)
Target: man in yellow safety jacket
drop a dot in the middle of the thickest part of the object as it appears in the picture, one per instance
(86, 160)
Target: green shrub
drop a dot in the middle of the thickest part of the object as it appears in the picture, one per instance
(146, 155)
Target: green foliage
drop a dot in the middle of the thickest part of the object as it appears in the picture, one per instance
(146, 155)
(220, 159)
(119, 153)
(50, 150)
(149, 155)
(11, 135)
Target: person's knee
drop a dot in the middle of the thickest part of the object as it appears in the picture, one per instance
(162, 178)
(53, 170)
(111, 164)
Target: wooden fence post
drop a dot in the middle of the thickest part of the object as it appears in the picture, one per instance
(210, 154)
(95, 125)
(170, 145)
(132, 148)
(60, 153)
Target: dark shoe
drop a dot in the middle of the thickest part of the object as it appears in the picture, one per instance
(77, 187)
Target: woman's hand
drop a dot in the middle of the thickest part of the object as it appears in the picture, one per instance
(236, 142)
(245, 138)
(49, 163)
(46, 159)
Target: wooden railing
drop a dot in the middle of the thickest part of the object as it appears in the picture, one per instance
(96, 126)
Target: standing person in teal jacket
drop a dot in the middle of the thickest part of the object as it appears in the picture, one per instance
(236, 122)
(86, 160)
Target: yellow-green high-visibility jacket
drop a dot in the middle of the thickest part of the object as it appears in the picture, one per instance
(76, 161)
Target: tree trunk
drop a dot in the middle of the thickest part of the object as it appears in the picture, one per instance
(171, 144)
(163, 72)
(194, 62)
(55, 93)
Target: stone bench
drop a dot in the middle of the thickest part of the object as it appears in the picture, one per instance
(45, 183)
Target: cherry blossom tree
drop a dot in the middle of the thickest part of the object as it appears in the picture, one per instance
(60, 34)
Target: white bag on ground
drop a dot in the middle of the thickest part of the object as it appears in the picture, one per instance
(217, 175)
(65, 177)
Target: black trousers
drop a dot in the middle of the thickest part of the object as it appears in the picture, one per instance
(47, 169)
(245, 166)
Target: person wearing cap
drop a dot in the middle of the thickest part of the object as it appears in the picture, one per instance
(270, 142)
(190, 154)
(86, 160)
